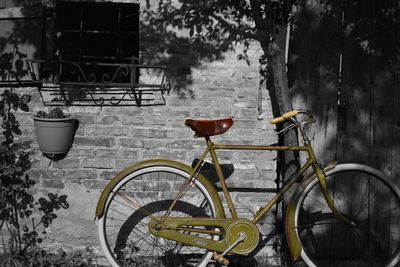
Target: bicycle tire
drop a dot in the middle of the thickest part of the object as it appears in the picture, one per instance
(123, 231)
(365, 196)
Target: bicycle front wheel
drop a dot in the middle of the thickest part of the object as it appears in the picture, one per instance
(364, 196)
(144, 194)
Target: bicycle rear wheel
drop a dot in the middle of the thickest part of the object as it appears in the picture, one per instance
(141, 195)
(364, 196)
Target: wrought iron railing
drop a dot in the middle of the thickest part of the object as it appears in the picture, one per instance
(74, 83)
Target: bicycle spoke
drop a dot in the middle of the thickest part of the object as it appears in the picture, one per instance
(364, 199)
(147, 197)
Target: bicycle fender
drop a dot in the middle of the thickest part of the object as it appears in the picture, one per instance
(220, 213)
(290, 231)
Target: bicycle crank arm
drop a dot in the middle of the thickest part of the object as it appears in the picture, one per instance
(188, 230)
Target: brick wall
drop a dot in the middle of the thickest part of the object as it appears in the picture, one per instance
(111, 138)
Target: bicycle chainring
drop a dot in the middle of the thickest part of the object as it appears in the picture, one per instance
(251, 232)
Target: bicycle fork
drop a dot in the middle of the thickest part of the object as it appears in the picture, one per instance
(328, 198)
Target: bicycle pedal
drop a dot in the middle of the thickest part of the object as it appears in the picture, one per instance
(220, 259)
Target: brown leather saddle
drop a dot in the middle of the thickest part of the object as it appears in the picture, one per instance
(206, 128)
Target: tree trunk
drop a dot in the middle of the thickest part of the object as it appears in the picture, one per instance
(275, 79)
(282, 96)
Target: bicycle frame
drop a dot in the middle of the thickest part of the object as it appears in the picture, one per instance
(263, 211)
(311, 162)
(211, 149)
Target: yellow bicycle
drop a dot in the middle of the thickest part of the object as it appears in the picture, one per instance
(165, 213)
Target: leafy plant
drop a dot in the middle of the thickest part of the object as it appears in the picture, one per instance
(60, 258)
(24, 218)
(12, 65)
(55, 113)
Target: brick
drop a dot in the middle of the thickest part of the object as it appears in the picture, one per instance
(109, 119)
(25, 119)
(265, 165)
(130, 142)
(245, 165)
(210, 113)
(267, 183)
(107, 174)
(84, 110)
(165, 154)
(66, 163)
(189, 101)
(247, 92)
(80, 174)
(106, 153)
(35, 163)
(123, 163)
(97, 130)
(53, 183)
(80, 152)
(80, 130)
(26, 131)
(253, 175)
(221, 101)
(155, 143)
(247, 114)
(134, 112)
(180, 133)
(173, 113)
(95, 184)
(242, 184)
(249, 154)
(224, 155)
(132, 120)
(94, 141)
(185, 144)
(249, 134)
(128, 154)
(100, 163)
(85, 119)
(215, 92)
(245, 103)
(158, 122)
(45, 162)
(253, 197)
(179, 101)
(45, 174)
(249, 124)
(150, 133)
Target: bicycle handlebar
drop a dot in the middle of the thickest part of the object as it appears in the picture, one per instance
(284, 117)
(289, 116)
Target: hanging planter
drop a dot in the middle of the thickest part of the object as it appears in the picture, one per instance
(54, 131)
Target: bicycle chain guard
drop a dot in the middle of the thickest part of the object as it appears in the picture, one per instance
(185, 229)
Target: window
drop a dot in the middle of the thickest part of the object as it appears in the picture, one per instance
(88, 54)
(88, 30)
(96, 32)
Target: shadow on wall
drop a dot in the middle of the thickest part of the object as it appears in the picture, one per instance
(164, 40)
(27, 33)
(355, 110)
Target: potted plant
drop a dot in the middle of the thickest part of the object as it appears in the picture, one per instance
(54, 131)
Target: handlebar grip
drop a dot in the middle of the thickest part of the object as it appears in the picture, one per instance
(285, 116)
(277, 120)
